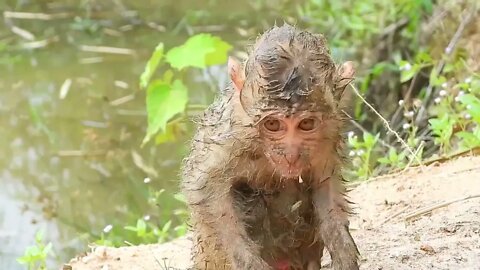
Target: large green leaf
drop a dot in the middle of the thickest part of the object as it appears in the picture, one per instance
(199, 51)
(164, 101)
(152, 65)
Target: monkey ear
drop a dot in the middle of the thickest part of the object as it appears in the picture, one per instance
(237, 76)
(345, 75)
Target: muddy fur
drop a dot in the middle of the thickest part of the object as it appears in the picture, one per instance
(245, 216)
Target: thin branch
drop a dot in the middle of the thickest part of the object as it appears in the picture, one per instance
(387, 126)
(105, 49)
(394, 215)
(430, 208)
(364, 130)
(35, 16)
(441, 64)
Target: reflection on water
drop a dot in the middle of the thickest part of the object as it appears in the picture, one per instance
(67, 163)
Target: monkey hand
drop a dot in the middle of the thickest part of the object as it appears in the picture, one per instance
(243, 259)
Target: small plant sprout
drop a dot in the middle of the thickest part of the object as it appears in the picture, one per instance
(393, 158)
(35, 256)
(362, 151)
(443, 130)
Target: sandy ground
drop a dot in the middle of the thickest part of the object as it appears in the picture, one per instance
(420, 219)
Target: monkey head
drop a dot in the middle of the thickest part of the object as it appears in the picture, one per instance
(291, 89)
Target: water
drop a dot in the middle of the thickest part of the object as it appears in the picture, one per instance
(67, 163)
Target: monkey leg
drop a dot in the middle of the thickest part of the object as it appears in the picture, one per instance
(332, 212)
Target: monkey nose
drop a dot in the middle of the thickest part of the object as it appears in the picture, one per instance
(292, 157)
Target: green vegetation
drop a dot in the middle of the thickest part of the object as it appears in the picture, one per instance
(167, 97)
(35, 257)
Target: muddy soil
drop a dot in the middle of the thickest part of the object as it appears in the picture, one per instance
(418, 219)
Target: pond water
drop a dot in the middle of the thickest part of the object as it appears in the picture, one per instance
(71, 161)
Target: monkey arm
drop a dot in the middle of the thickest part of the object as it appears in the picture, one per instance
(244, 253)
(217, 222)
(332, 213)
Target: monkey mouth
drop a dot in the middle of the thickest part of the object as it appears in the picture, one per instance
(291, 171)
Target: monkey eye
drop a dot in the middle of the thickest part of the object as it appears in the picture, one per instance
(308, 124)
(272, 125)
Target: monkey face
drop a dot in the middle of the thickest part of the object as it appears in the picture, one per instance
(289, 142)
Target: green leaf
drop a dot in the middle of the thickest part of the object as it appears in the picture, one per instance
(473, 104)
(141, 225)
(384, 160)
(151, 66)
(369, 139)
(406, 75)
(180, 197)
(164, 101)
(171, 133)
(166, 227)
(469, 140)
(392, 155)
(423, 57)
(199, 51)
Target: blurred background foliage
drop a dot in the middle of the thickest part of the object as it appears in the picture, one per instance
(96, 99)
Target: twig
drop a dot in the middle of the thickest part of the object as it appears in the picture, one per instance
(22, 33)
(430, 208)
(40, 43)
(35, 16)
(122, 100)
(416, 154)
(356, 124)
(65, 88)
(106, 49)
(473, 151)
(441, 64)
(396, 214)
(387, 126)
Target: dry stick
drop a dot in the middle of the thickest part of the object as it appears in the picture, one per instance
(106, 49)
(430, 208)
(22, 33)
(396, 214)
(356, 124)
(439, 68)
(387, 126)
(420, 147)
(35, 16)
(39, 43)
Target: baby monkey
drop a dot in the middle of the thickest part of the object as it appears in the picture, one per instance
(263, 180)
